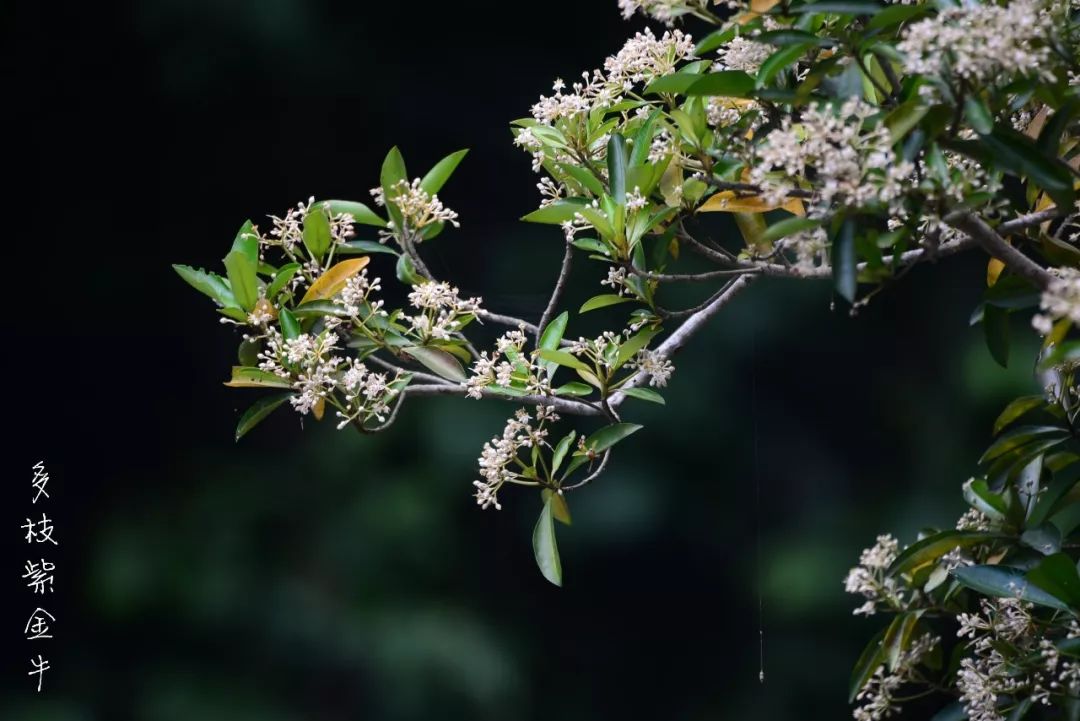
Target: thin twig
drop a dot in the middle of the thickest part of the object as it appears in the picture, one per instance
(689, 277)
(419, 375)
(556, 295)
(563, 405)
(592, 476)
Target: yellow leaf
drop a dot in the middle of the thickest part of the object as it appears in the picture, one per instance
(993, 270)
(318, 409)
(757, 7)
(673, 248)
(728, 202)
(333, 280)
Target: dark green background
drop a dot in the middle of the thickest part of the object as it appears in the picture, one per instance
(311, 574)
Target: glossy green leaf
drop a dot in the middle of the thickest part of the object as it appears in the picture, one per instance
(561, 449)
(544, 547)
(247, 242)
(1056, 574)
(242, 279)
(778, 61)
(724, 84)
(608, 436)
(564, 359)
(872, 656)
(362, 247)
(361, 213)
(1045, 538)
(786, 227)
(560, 509)
(933, 547)
(406, 271)
(630, 347)
(845, 267)
(557, 213)
(258, 411)
(1020, 436)
(209, 284)
(436, 177)
(673, 84)
(393, 169)
(318, 309)
(290, 326)
(644, 394)
(247, 377)
(438, 361)
(574, 389)
(1005, 582)
(616, 163)
(978, 115)
(603, 301)
(281, 279)
(316, 233)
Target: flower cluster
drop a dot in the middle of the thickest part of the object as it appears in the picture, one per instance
(666, 11)
(418, 208)
(656, 365)
(367, 395)
(643, 58)
(308, 362)
(288, 231)
(509, 367)
(850, 165)
(981, 42)
(869, 579)
(1061, 299)
(809, 248)
(442, 311)
(356, 295)
(877, 698)
(498, 459)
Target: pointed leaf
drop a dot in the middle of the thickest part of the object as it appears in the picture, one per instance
(361, 213)
(436, 177)
(330, 283)
(544, 547)
(438, 361)
(258, 411)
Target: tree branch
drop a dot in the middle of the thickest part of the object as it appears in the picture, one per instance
(684, 332)
(556, 294)
(996, 246)
(563, 405)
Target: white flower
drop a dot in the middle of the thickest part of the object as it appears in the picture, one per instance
(1061, 299)
(743, 54)
(418, 208)
(982, 42)
(656, 365)
(666, 11)
(496, 460)
(853, 166)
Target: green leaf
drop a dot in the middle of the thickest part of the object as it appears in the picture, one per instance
(644, 394)
(319, 308)
(1056, 574)
(608, 436)
(616, 163)
(361, 213)
(316, 232)
(436, 177)
(209, 284)
(981, 498)
(603, 301)
(724, 84)
(247, 377)
(870, 659)
(933, 547)
(1015, 410)
(674, 84)
(544, 547)
(1045, 538)
(996, 328)
(1064, 481)
(242, 279)
(290, 327)
(564, 359)
(258, 411)
(557, 213)
(1016, 153)
(559, 454)
(585, 178)
(895, 15)
(281, 279)
(632, 345)
(393, 169)
(406, 271)
(786, 227)
(553, 333)
(840, 7)
(978, 115)
(438, 361)
(905, 117)
(247, 242)
(1018, 437)
(1005, 582)
(778, 61)
(360, 247)
(845, 267)
(560, 510)
(574, 389)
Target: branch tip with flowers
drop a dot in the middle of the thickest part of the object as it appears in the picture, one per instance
(844, 141)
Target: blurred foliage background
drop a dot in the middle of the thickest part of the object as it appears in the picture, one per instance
(314, 574)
